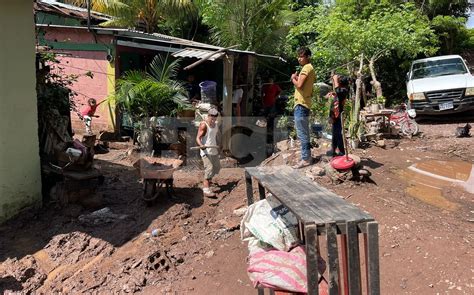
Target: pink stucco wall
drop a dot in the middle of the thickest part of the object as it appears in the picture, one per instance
(80, 62)
(75, 36)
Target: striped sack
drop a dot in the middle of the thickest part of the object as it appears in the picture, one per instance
(281, 270)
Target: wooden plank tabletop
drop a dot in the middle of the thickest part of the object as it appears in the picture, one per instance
(309, 201)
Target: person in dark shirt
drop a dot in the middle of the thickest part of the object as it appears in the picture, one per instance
(193, 90)
(341, 86)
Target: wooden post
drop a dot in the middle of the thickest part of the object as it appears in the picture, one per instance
(248, 66)
(228, 62)
(248, 183)
(344, 278)
(261, 191)
(353, 258)
(373, 258)
(333, 258)
(312, 259)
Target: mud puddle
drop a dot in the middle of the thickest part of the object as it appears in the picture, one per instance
(429, 181)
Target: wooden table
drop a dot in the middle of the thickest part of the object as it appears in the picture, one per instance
(384, 114)
(321, 212)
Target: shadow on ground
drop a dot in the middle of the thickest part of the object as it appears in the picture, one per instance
(32, 230)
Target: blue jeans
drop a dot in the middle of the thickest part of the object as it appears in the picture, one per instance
(301, 115)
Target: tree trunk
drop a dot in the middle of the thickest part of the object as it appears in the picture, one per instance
(364, 93)
(376, 84)
(354, 124)
(359, 83)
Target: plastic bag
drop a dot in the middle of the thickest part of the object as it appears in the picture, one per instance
(270, 222)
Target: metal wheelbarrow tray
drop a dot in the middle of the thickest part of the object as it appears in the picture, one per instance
(157, 175)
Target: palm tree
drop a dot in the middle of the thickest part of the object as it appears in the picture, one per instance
(257, 25)
(143, 14)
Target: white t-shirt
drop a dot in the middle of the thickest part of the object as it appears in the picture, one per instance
(237, 95)
(210, 138)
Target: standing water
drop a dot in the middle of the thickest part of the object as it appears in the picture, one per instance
(427, 180)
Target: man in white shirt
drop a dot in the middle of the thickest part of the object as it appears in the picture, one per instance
(207, 136)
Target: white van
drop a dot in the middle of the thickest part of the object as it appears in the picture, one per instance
(440, 85)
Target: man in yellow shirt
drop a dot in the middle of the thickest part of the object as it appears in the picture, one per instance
(303, 94)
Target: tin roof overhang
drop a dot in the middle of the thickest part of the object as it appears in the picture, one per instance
(173, 44)
(198, 53)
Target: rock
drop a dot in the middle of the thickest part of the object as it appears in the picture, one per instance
(209, 254)
(240, 212)
(283, 145)
(381, 143)
(229, 225)
(126, 288)
(317, 171)
(104, 215)
(403, 283)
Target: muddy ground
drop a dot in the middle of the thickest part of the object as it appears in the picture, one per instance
(426, 228)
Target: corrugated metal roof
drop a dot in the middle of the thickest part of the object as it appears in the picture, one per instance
(68, 10)
(197, 53)
(140, 37)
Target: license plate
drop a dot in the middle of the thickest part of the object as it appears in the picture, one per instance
(446, 106)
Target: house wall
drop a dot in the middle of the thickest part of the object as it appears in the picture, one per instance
(20, 179)
(81, 52)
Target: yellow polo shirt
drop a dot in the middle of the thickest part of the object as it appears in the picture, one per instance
(303, 96)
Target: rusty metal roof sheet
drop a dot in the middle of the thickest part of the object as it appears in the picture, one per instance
(56, 7)
(197, 53)
(191, 48)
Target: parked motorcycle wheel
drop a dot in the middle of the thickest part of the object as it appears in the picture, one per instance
(409, 128)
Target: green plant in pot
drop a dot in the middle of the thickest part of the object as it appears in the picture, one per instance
(152, 93)
(377, 103)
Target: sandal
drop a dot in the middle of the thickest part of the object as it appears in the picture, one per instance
(301, 164)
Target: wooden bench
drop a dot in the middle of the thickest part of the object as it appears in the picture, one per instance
(321, 213)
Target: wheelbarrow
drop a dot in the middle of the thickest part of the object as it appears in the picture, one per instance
(157, 175)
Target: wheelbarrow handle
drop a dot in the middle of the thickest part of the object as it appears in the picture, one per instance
(204, 147)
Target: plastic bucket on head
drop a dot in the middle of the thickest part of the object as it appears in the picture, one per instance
(208, 91)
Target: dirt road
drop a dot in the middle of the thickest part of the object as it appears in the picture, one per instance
(426, 228)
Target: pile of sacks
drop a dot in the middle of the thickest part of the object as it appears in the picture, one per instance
(276, 259)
